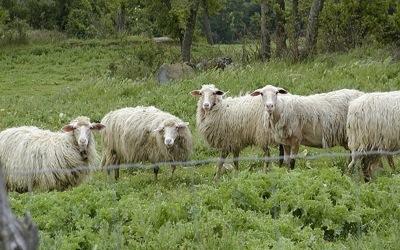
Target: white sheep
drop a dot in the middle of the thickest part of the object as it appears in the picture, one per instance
(231, 124)
(315, 120)
(141, 134)
(46, 160)
(373, 124)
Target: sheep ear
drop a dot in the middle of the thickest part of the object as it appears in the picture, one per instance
(256, 93)
(219, 92)
(182, 125)
(97, 126)
(195, 93)
(159, 129)
(68, 128)
(282, 91)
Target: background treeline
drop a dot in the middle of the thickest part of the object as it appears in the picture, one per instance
(341, 24)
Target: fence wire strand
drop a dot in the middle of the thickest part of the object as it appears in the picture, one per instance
(203, 162)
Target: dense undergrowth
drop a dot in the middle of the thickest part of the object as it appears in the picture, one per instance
(313, 206)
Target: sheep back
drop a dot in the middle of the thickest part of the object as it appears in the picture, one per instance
(321, 117)
(35, 158)
(373, 122)
(234, 123)
(130, 136)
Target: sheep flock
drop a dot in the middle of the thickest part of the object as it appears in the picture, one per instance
(366, 124)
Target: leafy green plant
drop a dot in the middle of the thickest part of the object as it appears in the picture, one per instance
(314, 206)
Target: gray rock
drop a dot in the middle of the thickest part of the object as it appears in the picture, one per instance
(163, 39)
(215, 63)
(171, 72)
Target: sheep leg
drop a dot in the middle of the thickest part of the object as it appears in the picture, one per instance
(391, 162)
(281, 154)
(105, 162)
(236, 160)
(173, 167)
(366, 165)
(267, 154)
(156, 169)
(220, 165)
(116, 174)
(286, 154)
(115, 162)
(353, 161)
(293, 154)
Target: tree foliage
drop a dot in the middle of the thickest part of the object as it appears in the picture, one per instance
(343, 24)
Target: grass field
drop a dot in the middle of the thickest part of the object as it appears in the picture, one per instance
(313, 206)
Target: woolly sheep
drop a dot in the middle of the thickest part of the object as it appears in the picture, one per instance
(316, 120)
(231, 124)
(29, 154)
(142, 134)
(373, 124)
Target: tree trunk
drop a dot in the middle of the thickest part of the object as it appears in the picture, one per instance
(312, 27)
(280, 33)
(294, 37)
(206, 22)
(265, 49)
(188, 36)
(120, 20)
(15, 234)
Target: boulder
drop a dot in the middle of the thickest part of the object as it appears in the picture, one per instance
(215, 63)
(163, 39)
(171, 72)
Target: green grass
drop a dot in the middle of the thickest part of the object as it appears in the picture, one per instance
(314, 206)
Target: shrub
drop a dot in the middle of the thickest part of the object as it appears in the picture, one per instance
(145, 60)
(14, 32)
(347, 24)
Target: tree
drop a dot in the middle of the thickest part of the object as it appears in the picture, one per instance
(206, 22)
(312, 27)
(265, 49)
(120, 19)
(188, 36)
(280, 33)
(295, 30)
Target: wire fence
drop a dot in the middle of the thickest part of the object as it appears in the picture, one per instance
(204, 162)
(115, 225)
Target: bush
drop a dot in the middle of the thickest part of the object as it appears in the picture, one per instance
(144, 61)
(14, 32)
(347, 24)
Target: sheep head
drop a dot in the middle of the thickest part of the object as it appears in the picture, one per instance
(269, 96)
(170, 131)
(209, 96)
(81, 129)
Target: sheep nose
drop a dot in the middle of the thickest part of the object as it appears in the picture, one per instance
(206, 105)
(269, 106)
(168, 141)
(82, 141)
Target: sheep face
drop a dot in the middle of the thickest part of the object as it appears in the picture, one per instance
(269, 96)
(170, 132)
(82, 132)
(209, 96)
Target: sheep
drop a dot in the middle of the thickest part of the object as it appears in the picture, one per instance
(230, 124)
(33, 158)
(373, 125)
(316, 120)
(141, 134)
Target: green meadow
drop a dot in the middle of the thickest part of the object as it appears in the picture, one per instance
(314, 206)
